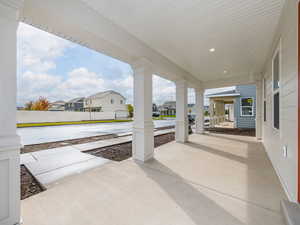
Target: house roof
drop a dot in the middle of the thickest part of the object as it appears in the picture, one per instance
(224, 94)
(104, 93)
(74, 100)
(58, 102)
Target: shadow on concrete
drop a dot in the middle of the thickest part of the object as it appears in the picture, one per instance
(230, 138)
(200, 208)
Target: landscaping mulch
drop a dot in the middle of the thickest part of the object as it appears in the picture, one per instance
(123, 151)
(29, 185)
(165, 128)
(232, 131)
(56, 144)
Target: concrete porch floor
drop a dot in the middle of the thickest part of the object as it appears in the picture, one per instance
(213, 179)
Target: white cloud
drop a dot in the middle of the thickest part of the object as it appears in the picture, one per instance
(38, 49)
(80, 82)
(163, 90)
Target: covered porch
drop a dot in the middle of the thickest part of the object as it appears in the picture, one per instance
(213, 179)
(195, 44)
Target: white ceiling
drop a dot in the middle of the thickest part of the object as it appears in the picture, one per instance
(241, 31)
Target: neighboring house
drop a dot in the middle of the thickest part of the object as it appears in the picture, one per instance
(168, 108)
(107, 101)
(239, 103)
(75, 105)
(57, 106)
(154, 108)
(155, 111)
(191, 109)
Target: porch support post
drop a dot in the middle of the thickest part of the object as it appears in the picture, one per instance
(258, 119)
(199, 111)
(211, 113)
(143, 134)
(181, 134)
(9, 140)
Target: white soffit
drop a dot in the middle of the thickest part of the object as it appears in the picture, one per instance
(241, 31)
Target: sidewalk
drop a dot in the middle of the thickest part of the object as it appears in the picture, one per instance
(50, 165)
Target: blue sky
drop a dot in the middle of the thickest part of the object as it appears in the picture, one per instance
(58, 69)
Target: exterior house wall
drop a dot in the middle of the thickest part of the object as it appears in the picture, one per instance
(118, 106)
(245, 121)
(274, 140)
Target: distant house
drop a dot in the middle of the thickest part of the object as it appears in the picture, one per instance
(76, 105)
(168, 108)
(107, 101)
(154, 108)
(237, 106)
(57, 106)
(191, 109)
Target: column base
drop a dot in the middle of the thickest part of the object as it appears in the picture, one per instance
(10, 185)
(181, 134)
(143, 141)
(199, 131)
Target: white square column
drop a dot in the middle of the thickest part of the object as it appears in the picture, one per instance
(9, 141)
(258, 119)
(199, 111)
(181, 134)
(143, 129)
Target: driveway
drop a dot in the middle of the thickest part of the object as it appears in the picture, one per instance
(36, 135)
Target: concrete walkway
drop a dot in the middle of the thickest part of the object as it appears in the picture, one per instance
(213, 179)
(51, 165)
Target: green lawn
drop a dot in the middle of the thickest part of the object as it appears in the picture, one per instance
(69, 123)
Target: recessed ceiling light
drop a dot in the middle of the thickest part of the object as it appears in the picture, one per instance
(212, 49)
(225, 71)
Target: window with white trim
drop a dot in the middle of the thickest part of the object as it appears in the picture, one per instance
(276, 67)
(247, 107)
(265, 99)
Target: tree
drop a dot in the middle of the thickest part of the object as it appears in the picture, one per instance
(28, 105)
(130, 110)
(42, 104)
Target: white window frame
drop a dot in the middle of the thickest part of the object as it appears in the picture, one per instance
(277, 51)
(265, 119)
(241, 107)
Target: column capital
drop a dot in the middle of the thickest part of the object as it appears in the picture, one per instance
(258, 84)
(141, 63)
(9, 9)
(181, 83)
(199, 90)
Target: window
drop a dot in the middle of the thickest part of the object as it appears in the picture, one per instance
(265, 111)
(276, 69)
(276, 110)
(265, 99)
(111, 101)
(247, 107)
(121, 102)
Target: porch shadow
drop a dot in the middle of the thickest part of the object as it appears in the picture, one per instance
(200, 208)
(237, 139)
(217, 152)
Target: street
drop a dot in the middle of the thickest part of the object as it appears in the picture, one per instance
(36, 135)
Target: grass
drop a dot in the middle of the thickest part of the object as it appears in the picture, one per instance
(162, 117)
(21, 125)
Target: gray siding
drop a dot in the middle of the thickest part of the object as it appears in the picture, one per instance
(245, 121)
